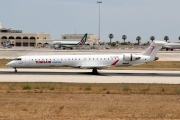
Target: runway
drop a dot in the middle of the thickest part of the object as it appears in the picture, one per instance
(85, 76)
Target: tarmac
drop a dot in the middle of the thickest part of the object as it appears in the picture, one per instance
(85, 76)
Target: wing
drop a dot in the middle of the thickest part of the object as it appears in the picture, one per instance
(94, 66)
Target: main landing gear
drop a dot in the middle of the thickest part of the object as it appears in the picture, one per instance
(15, 70)
(95, 72)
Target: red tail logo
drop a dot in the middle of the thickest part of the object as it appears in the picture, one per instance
(81, 43)
(152, 48)
(149, 51)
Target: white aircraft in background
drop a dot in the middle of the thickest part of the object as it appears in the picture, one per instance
(68, 44)
(93, 62)
(171, 46)
(6, 44)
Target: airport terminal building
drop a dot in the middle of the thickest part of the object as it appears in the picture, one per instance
(18, 38)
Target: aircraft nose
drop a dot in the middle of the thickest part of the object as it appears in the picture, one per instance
(9, 64)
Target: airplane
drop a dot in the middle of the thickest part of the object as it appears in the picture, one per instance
(94, 62)
(6, 45)
(171, 46)
(68, 44)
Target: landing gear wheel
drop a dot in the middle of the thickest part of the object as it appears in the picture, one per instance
(94, 71)
(15, 70)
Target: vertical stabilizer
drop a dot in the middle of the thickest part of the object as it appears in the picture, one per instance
(153, 49)
(83, 40)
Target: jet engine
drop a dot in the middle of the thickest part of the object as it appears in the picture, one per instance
(130, 57)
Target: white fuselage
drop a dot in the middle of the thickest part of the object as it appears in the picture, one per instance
(78, 61)
(59, 44)
(93, 62)
(171, 46)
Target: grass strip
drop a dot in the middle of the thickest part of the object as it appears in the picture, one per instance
(93, 88)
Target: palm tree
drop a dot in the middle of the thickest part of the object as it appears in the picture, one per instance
(124, 37)
(152, 38)
(138, 38)
(166, 38)
(110, 37)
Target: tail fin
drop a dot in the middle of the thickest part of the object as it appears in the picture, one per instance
(153, 49)
(83, 40)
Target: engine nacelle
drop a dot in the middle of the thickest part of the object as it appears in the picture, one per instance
(130, 57)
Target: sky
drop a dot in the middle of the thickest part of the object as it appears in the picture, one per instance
(120, 17)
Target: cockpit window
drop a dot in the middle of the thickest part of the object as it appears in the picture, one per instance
(17, 59)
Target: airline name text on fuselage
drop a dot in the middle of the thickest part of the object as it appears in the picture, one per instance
(47, 62)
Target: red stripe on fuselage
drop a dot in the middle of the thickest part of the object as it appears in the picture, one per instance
(115, 63)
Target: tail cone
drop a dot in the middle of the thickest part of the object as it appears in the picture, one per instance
(156, 58)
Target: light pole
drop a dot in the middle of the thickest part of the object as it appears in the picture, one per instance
(99, 2)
